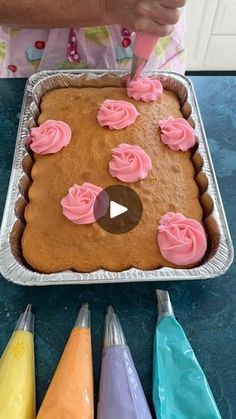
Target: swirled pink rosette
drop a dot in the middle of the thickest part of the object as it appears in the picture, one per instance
(181, 240)
(177, 134)
(129, 163)
(117, 114)
(78, 205)
(145, 89)
(50, 137)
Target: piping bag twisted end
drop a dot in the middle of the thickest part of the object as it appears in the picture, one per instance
(113, 334)
(84, 317)
(26, 320)
(164, 304)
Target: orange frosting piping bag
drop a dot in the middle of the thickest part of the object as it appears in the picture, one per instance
(70, 394)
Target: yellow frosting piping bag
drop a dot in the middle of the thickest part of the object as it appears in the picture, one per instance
(17, 371)
(70, 394)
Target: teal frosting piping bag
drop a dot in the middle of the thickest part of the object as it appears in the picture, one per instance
(180, 388)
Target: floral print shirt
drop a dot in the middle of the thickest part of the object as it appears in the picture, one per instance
(26, 51)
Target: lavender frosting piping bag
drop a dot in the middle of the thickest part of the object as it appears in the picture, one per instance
(120, 395)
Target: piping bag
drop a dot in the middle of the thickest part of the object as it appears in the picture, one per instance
(70, 394)
(180, 388)
(120, 394)
(17, 371)
(144, 44)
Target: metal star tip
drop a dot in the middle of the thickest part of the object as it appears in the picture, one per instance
(26, 320)
(84, 317)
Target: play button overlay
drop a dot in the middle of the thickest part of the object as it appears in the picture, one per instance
(124, 209)
(116, 209)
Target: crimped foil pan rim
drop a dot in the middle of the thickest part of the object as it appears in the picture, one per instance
(20, 274)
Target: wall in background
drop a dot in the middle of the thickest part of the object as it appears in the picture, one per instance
(211, 34)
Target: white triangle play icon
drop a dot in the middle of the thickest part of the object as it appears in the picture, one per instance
(116, 209)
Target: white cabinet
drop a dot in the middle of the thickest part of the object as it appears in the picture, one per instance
(225, 20)
(211, 34)
(221, 53)
(200, 16)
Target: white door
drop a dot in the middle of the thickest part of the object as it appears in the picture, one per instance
(211, 34)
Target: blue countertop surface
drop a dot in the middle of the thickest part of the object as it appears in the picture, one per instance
(206, 309)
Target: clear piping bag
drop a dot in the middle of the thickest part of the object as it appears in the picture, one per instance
(70, 394)
(180, 388)
(144, 45)
(17, 371)
(120, 394)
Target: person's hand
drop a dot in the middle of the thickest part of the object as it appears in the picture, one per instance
(148, 16)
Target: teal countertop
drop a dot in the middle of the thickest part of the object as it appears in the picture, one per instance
(206, 309)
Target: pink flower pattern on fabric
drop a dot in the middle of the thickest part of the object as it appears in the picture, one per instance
(181, 240)
(72, 48)
(129, 163)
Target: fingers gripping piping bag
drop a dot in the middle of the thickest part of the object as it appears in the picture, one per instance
(120, 394)
(70, 394)
(144, 44)
(180, 388)
(17, 371)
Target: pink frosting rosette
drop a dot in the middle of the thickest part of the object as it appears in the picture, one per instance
(50, 137)
(145, 89)
(78, 205)
(129, 163)
(181, 240)
(177, 134)
(117, 114)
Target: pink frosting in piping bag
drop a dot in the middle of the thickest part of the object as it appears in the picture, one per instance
(117, 114)
(181, 240)
(78, 204)
(144, 44)
(129, 163)
(177, 133)
(50, 137)
(145, 89)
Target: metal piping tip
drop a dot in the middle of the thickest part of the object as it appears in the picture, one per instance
(138, 65)
(84, 317)
(164, 304)
(28, 309)
(110, 310)
(113, 334)
(26, 320)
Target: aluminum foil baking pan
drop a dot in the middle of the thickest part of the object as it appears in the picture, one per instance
(13, 267)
